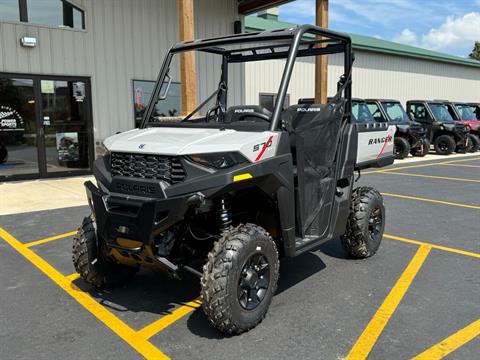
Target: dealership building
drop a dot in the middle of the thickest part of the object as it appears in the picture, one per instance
(382, 69)
(73, 72)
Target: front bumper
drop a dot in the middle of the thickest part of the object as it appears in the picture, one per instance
(134, 218)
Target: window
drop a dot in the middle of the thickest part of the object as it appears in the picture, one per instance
(9, 10)
(395, 112)
(142, 92)
(49, 12)
(376, 112)
(268, 101)
(361, 113)
(55, 12)
(441, 112)
(419, 111)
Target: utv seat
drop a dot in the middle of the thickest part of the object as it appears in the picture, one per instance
(299, 116)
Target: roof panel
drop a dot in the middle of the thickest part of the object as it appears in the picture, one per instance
(368, 43)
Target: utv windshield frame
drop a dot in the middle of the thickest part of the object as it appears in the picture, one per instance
(324, 42)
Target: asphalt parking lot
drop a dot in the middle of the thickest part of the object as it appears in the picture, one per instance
(418, 297)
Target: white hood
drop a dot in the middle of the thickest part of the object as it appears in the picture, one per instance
(185, 141)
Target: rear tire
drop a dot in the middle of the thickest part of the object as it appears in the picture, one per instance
(444, 145)
(365, 224)
(240, 279)
(474, 143)
(91, 263)
(401, 147)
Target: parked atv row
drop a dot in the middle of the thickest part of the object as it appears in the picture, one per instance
(448, 126)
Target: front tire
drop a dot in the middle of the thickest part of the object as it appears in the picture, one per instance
(444, 145)
(365, 224)
(91, 263)
(240, 279)
(474, 143)
(401, 147)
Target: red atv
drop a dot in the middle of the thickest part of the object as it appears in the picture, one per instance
(467, 115)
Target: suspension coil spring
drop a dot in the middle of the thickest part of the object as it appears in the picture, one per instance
(224, 216)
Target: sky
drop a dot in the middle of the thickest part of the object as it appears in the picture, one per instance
(449, 26)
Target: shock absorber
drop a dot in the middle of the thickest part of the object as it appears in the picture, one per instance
(224, 216)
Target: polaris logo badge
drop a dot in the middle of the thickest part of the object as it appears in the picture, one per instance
(312, 109)
(141, 146)
(135, 188)
(375, 141)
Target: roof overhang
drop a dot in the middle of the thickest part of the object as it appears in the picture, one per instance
(246, 7)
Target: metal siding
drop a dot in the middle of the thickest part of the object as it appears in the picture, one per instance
(123, 40)
(374, 76)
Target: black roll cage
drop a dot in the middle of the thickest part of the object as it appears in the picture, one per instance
(330, 42)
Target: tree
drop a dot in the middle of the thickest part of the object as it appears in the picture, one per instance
(475, 54)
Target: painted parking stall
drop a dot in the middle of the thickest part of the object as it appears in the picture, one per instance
(407, 261)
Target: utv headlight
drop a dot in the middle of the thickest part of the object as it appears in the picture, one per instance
(218, 160)
(102, 150)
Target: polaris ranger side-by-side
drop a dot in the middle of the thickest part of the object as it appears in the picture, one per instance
(224, 193)
(410, 137)
(444, 133)
(464, 114)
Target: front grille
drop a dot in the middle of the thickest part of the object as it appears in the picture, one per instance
(158, 167)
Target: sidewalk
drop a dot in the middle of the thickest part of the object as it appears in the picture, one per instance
(26, 196)
(34, 195)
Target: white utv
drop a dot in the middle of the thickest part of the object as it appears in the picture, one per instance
(225, 195)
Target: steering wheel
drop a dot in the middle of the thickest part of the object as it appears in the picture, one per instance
(214, 113)
(264, 117)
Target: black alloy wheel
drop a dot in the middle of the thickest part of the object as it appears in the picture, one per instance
(253, 282)
(375, 225)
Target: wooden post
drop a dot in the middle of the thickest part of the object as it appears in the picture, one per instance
(321, 62)
(187, 59)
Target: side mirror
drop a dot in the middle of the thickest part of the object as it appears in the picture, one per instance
(169, 81)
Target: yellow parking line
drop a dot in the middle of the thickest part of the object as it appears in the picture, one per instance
(402, 168)
(473, 158)
(453, 342)
(429, 176)
(431, 200)
(464, 165)
(167, 320)
(369, 336)
(145, 348)
(422, 165)
(43, 241)
(433, 246)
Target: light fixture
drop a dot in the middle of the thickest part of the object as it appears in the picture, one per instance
(27, 41)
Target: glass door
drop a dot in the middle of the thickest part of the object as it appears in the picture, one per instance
(18, 128)
(65, 125)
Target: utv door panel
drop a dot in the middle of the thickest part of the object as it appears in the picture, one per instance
(314, 130)
(375, 144)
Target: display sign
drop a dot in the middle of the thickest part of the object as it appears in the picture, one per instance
(79, 91)
(10, 119)
(48, 86)
(67, 146)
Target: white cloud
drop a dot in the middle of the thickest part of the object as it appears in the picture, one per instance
(455, 32)
(407, 36)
